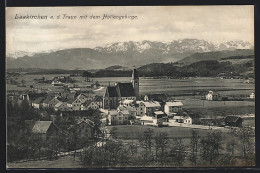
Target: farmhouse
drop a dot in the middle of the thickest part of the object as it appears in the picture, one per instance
(84, 128)
(182, 119)
(120, 92)
(50, 101)
(173, 107)
(212, 96)
(45, 130)
(233, 121)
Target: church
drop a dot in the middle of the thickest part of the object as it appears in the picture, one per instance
(121, 91)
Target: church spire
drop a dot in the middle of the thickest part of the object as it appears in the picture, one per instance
(135, 82)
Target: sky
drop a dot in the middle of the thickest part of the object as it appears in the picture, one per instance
(215, 24)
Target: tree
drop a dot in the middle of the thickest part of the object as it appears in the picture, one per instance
(194, 146)
(114, 133)
(246, 144)
(86, 74)
(161, 141)
(210, 147)
(146, 142)
(178, 152)
(133, 148)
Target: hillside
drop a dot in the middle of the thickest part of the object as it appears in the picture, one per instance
(127, 54)
(219, 55)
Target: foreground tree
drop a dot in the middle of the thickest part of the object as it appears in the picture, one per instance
(161, 141)
(210, 147)
(194, 147)
(178, 152)
(146, 143)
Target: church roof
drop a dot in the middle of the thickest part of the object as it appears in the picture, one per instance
(125, 90)
(111, 90)
(121, 90)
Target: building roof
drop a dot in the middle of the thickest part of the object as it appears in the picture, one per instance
(87, 121)
(98, 99)
(59, 104)
(125, 111)
(125, 90)
(128, 101)
(111, 91)
(174, 103)
(71, 100)
(159, 112)
(152, 104)
(230, 118)
(41, 126)
(38, 100)
(48, 99)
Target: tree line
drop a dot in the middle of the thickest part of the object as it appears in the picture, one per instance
(157, 149)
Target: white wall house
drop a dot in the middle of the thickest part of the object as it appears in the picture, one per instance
(212, 96)
(252, 95)
(173, 107)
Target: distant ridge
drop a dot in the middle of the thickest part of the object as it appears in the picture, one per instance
(129, 54)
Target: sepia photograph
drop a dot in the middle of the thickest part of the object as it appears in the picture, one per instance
(130, 87)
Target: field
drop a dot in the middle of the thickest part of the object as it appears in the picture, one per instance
(175, 87)
(135, 131)
(220, 112)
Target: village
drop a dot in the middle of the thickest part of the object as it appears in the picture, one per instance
(80, 118)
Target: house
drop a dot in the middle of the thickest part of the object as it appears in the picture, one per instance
(147, 120)
(140, 108)
(89, 105)
(37, 103)
(118, 118)
(131, 109)
(212, 96)
(84, 128)
(182, 119)
(45, 130)
(121, 91)
(252, 95)
(61, 106)
(234, 121)
(98, 100)
(74, 104)
(68, 95)
(173, 107)
(160, 117)
(50, 101)
(150, 107)
(83, 97)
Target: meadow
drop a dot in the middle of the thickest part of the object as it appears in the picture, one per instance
(176, 87)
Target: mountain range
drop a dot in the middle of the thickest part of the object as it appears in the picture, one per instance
(129, 54)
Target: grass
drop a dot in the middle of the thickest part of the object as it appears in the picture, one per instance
(62, 162)
(135, 131)
(223, 111)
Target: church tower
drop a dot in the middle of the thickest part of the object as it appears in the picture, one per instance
(135, 82)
